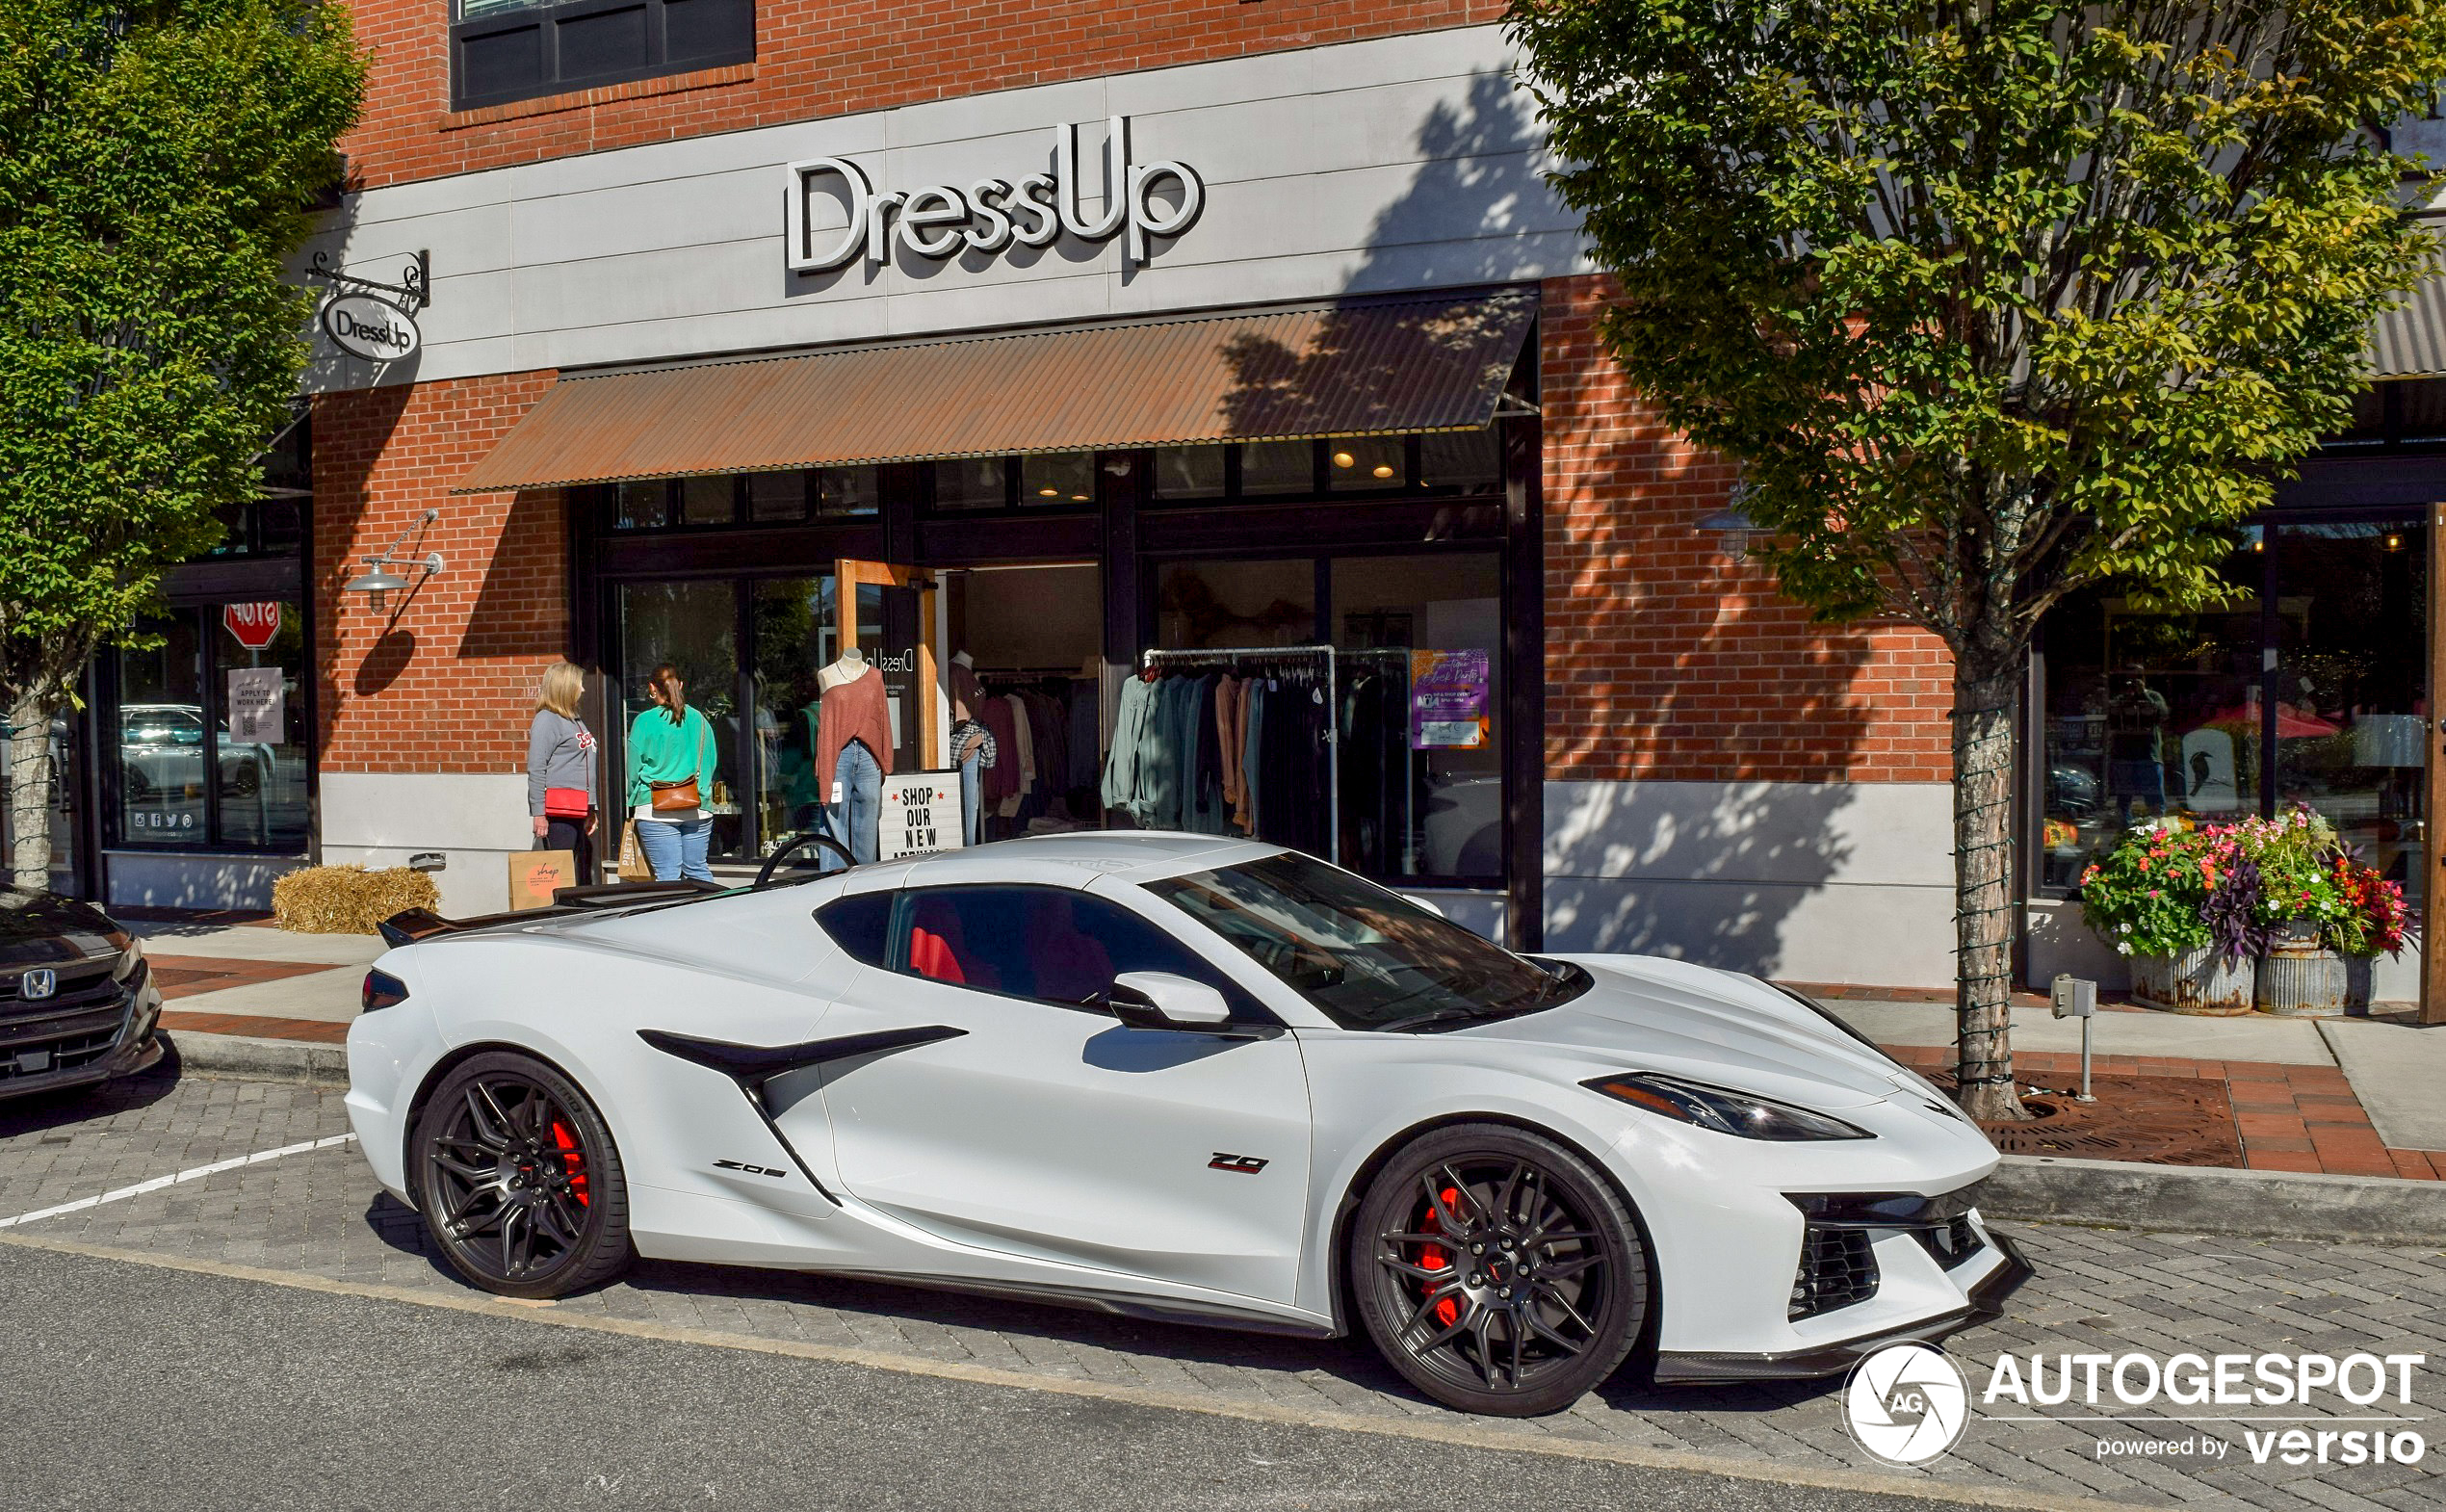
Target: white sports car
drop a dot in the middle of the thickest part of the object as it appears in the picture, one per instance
(1181, 1078)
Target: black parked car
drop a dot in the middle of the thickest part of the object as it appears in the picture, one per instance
(77, 1003)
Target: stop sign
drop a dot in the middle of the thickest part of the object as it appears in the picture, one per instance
(253, 624)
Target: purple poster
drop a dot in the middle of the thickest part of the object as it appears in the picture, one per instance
(1447, 700)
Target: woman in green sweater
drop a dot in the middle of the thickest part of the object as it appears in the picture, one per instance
(670, 775)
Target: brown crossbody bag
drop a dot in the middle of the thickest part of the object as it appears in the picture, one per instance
(671, 795)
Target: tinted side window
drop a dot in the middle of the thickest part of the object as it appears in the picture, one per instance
(861, 924)
(1048, 943)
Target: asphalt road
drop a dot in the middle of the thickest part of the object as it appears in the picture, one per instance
(129, 1387)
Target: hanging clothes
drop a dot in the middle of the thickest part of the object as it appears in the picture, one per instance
(1119, 788)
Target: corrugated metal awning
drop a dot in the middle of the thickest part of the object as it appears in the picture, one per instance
(2410, 340)
(1355, 368)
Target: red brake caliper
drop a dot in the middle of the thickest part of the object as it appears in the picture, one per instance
(572, 1161)
(1447, 1310)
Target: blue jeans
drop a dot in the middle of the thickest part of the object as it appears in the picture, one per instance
(854, 820)
(972, 796)
(676, 848)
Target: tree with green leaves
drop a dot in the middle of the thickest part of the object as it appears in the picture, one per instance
(1991, 300)
(158, 160)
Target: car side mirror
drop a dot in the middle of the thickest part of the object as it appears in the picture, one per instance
(1159, 1000)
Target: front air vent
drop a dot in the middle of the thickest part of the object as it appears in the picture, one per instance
(1837, 1268)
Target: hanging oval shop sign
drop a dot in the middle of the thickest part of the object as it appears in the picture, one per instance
(370, 327)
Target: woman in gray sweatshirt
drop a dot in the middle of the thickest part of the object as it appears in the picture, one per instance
(560, 768)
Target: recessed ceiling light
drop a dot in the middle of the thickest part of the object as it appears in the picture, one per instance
(1383, 470)
(1344, 460)
(1050, 493)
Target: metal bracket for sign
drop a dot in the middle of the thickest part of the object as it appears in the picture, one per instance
(413, 291)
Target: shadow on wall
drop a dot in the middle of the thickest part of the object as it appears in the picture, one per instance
(1707, 873)
(521, 602)
(1701, 727)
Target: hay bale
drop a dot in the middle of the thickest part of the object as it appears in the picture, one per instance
(347, 899)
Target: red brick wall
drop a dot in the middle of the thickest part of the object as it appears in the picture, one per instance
(819, 58)
(442, 678)
(1668, 659)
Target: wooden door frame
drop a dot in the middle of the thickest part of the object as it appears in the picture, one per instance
(849, 574)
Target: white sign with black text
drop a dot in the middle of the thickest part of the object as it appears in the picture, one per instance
(257, 704)
(370, 327)
(920, 813)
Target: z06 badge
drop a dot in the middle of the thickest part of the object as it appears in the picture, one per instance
(1246, 1165)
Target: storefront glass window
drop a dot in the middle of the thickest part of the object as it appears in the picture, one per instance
(694, 627)
(2312, 694)
(2351, 647)
(1189, 472)
(641, 506)
(1056, 480)
(2147, 714)
(260, 732)
(162, 736)
(1210, 603)
(776, 498)
(843, 492)
(1368, 464)
(795, 635)
(1420, 661)
(972, 482)
(708, 501)
(202, 709)
(1278, 467)
(1461, 462)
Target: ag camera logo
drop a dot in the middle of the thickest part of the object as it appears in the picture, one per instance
(1905, 1404)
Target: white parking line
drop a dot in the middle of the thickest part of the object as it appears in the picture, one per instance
(160, 1182)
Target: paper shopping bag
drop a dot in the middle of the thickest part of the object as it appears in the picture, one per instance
(632, 866)
(535, 875)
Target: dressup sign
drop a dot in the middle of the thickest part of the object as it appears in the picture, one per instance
(990, 214)
(375, 330)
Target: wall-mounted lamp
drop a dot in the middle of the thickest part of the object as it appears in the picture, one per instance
(1732, 525)
(379, 579)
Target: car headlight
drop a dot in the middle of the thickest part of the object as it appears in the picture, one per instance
(1738, 1113)
(131, 958)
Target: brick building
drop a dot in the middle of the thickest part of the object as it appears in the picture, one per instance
(1061, 334)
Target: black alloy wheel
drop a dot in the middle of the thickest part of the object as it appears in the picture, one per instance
(518, 1181)
(1498, 1272)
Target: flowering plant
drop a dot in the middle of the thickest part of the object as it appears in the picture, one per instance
(2370, 914)
(2163, 891)
(2146, 894)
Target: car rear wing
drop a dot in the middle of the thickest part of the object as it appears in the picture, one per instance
(412, 925)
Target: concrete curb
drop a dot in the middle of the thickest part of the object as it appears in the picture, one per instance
(260, 1059)
(2183, 1199)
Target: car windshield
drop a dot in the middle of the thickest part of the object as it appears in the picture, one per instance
(1368, 958)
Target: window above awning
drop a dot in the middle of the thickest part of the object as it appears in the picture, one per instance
(1353, 368)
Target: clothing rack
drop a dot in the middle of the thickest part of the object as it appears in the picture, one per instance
(1320, 659)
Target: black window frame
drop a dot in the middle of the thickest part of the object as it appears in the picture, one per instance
(546, 20)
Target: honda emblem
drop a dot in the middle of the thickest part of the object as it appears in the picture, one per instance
(39, 982)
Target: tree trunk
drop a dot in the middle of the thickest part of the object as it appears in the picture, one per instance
(30, 789)
(1984, 697)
